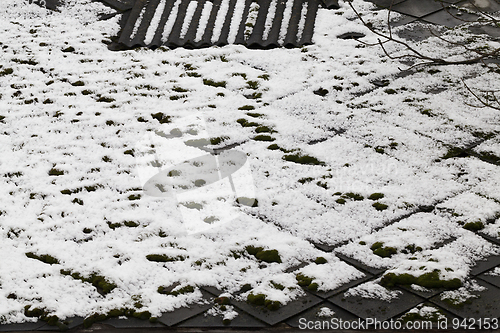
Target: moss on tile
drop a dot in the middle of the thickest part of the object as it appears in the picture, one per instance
(379, 249)
(302, 159)
(428, 280)
(164, 258)
(45, 258)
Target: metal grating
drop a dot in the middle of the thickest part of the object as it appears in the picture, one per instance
(260, 24)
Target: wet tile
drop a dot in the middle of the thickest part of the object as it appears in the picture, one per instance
(418, 8)
(67, 323)
(450, 17)
(362, 267)
(206, 320)
(318, 313)
(492, 279)
(178, 315)
(283, 313)
(423, 292)
(22, 326)
(484, 265)
(376, 307)
(483, 303)
(131, 323)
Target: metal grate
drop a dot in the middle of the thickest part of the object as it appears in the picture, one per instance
(202, 23)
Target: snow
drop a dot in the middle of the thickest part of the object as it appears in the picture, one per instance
(104, 139)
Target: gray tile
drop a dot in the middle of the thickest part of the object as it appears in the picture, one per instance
(311, 315)
(22, 326)
(66, 324)
(208, 321)
(377, 308)
(484, 304)
(178, 315)
(418, 8)
(131, 323)
(492, 279)
(485, 265)
(450, 17)
(283, 313)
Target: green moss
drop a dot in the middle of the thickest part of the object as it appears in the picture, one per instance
(411, 249)
(226, 321)
(272, 305)
(218, 140)
(269, 256)
(102, 285)
(104, 99)
(313, 287)
(340, 201)
(250, 202)
(428, 280)
(376, 196)
(255, 115)
(6, 71)
(264, 77)
(134, 197)
(354, 196)
(56, 172)
(263, 129)
(163, 258)
(302, 159)
(259, 299)
(78, 84)
(252, 84)
(474, 226)
(252, 250)
(87, 230)
(131, 224)
(390, 91)
(278, 285)
(303, 280)
(89, 321)
(246, 287)
(212, 83)
(222, 300)
(306, 180)
(69, 49)
(161, 117)
(179, 89)
(263, 138)
(181, 291)
(379, 206)
(320, 261)
(113, 226)
(245, 123)
(273, 147)
(362, 243)
(45, 258)
(381, 251)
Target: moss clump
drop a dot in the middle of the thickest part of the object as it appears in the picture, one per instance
(161, 117)
(354, 196)
(269, 256)
(181, 291)
(273, 147)
(102, 285)
(379, 206)
(302, 159)
(263, 138)
(259, 299)
(163, 258)
(411, 249)
(56, 172)
(104, 99)
(384, 252)
(313, 287)
(272, 305)
(252, 250)
(278, 286)
(212, 83)
(179, 89)
(218, 140)
(306, 180)
(87, 230)
(246, 107)
(222, 300)
(131, 224)
(78, 84)
(255, 115)
(113, 226)
(263, 129)
(474, 226)
(340, 201)
(390, 91)
(427, 280)
(376, 196)
(250, 202)
(320, 261)
(245, 123)
(45, 258)
(304, 280)
(96, 317)
(252, 84)
(6, 71)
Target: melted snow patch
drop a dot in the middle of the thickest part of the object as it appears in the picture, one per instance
(373, 290)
